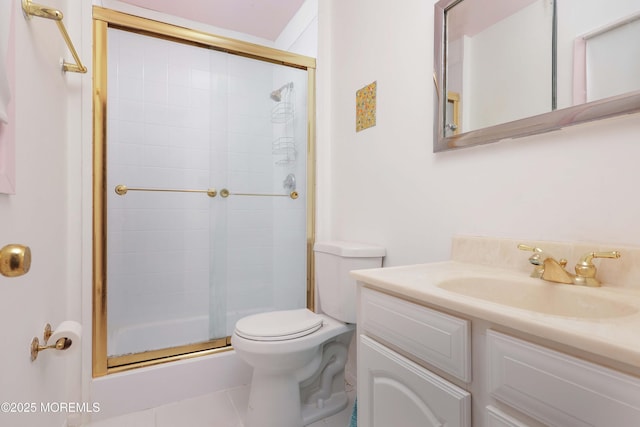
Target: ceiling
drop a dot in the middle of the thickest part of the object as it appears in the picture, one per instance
(261, 18)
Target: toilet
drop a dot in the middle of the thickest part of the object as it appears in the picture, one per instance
(298, 357)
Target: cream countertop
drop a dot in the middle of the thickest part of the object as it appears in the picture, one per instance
(615, 338)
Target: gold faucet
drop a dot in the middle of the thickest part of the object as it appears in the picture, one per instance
(548, 268)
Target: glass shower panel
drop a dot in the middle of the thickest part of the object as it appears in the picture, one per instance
(266, 245)
(183, 266)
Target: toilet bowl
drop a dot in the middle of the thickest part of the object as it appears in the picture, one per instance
(298, 357)
(280, 367)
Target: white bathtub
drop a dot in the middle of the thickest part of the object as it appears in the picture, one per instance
(144, 388)
(157, 335)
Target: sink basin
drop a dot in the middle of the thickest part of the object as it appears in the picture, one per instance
(541, 297)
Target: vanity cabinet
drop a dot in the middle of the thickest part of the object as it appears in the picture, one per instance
(414, 369)
(557, 389)
(397, 389)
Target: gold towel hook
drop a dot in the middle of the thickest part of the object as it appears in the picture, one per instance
(32, 9)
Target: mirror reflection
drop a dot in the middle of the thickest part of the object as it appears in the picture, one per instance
(500, 64)
(599, 54)
(503, 62)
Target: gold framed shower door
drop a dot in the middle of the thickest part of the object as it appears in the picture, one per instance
(102, 20)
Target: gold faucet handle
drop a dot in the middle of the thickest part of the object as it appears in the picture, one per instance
(535, 259)
(538, 254)
(587, 270)
(587, 258)
(612, 254)
(524, 247)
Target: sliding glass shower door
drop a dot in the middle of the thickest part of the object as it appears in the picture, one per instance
(206, 181)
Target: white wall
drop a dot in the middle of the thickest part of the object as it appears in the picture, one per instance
(301, 33)
(43, 214)
(385, 185)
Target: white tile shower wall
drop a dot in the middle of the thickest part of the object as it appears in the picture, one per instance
(187, 117)
(250, 219)
(218, 140)
(290, 215)
(158, 243)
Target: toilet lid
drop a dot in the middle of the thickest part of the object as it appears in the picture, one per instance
(278, 325)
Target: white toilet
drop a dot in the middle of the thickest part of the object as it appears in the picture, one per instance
(298, 357)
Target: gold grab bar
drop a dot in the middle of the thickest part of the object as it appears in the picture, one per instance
(122, 190)
(226, 193)
(32, 9)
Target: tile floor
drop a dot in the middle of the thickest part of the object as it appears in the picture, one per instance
(222, 409)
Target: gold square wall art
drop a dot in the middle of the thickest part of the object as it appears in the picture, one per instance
(366, 107)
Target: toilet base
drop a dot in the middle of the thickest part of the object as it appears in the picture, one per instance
(298, 381)
(300, 398)
(270, 401)
(280, 413)
(336, 403)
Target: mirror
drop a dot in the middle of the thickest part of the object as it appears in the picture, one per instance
(511, 68)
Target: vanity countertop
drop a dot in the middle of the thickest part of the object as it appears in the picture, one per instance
(613, 337)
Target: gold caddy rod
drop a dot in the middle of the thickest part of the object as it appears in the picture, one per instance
(32, 9)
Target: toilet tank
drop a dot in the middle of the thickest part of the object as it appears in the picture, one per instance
(336, 288)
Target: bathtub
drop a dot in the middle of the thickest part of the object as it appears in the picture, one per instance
(157, 335)
(144, 388)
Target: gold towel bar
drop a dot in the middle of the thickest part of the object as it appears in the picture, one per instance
(226, 193)
(122, 190)
(31, 9)
(211, 192)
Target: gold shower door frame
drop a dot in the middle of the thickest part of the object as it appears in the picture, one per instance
(102, 20)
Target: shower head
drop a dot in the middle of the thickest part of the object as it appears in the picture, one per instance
(276, 95)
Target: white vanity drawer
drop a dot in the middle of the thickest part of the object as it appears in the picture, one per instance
(560, 390)
(434, 337)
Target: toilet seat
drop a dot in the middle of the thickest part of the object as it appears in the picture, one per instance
(278, 325)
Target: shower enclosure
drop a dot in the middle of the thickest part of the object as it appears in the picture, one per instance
(203, 188)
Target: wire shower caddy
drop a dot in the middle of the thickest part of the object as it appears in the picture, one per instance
(283, 114)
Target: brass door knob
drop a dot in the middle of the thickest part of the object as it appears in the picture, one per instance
(15, 260)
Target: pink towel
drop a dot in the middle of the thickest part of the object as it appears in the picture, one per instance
(6, 14)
